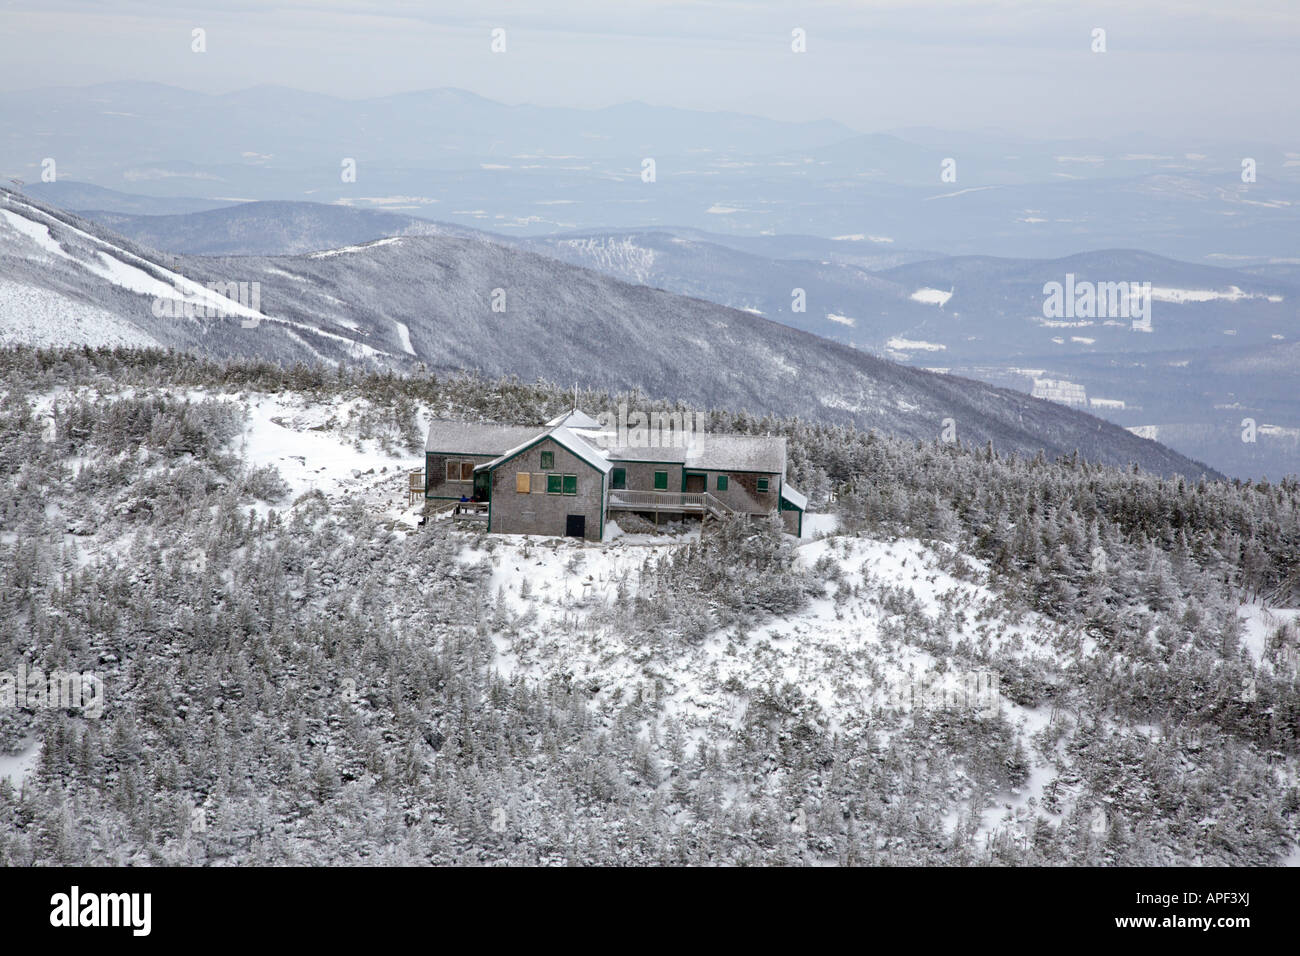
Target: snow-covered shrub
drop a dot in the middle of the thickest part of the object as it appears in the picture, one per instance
(265, 484)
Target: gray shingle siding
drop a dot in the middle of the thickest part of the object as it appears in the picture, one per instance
(436, 484)
(742, 492)
(539, 512)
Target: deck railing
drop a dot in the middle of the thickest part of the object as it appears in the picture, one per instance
(415, 488)
(621, 499)
(471, 511)
(625, 500)
(715, 507)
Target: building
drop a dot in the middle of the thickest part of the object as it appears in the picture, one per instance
(569, 476)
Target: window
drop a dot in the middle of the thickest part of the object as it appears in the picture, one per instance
(539, 483)
(661, 481)
(762, 484)
(522, 482)
(548, 460)
(619, 478)
(561, 484)
(458, 470)
(722, 482)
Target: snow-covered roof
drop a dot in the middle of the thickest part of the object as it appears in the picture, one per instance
(760, 453)
(580, 447)
(714, 453)
(636, 453)
(736, 453)
(574, 419)
(788, 493)
(562, 437)
(474, 438)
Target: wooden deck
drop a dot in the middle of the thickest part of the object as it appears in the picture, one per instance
(669, 502)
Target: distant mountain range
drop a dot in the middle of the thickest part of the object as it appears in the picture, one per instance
(72, 195)
(968, 309)
(528, 171)
(280, 227)
(430, 299)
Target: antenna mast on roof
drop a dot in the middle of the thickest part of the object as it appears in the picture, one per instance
(575, 396)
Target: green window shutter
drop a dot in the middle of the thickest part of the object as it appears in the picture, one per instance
(619, 478)
(570, 484)
(548, 460)
(762, 484)
(722, 482)
(661, 481)
(554, 484)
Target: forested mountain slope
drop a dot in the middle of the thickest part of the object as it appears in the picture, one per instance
(295, 671)
(452, 303)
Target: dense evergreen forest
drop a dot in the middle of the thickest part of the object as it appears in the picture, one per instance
(295, 679)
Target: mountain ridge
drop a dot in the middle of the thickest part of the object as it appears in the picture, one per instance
(429, 299)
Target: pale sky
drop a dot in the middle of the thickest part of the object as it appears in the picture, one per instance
(1179, 69)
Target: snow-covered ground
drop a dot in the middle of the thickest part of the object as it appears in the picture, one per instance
(41, 317)
(311, 447)
(898, 344)
(1259, 624)
(1058, 390)
(344, 250)
(315, 445)
(15, 767)
(1231, 294)
(852, 655)
(898, 618)
(121, 268)
(930, 296)
(404, 336)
